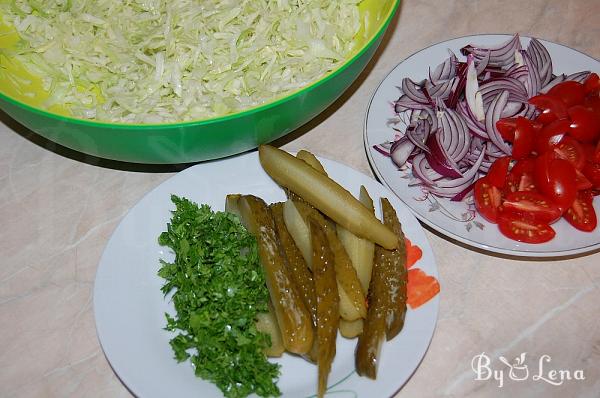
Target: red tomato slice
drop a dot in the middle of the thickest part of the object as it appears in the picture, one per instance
(524, 138)
(517, 228)
(520, 177)
(420, 288)
(531, 206)
(581, 214)
(498, 171)
(591, 171)
(591, 84)
(551, 108)
(569, 92)
(487, 199)
(551, 134)
(592, 102)
(585, 124)
(506, 127)
(571, 150)
(555, 178)
(581, 181)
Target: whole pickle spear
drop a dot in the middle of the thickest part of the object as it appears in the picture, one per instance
(293, 318)
(352, 296)
(369, 342)
(327, 303)
(387, 299)
(297, 267)
(325, 194)
(395, 274)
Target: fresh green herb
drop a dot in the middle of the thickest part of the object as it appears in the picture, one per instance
(219, 287)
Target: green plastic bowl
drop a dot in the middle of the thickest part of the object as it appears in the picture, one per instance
(195, 140)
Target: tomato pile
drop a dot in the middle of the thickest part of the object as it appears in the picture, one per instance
(554, 167)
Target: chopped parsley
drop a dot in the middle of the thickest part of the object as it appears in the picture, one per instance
(219, 287)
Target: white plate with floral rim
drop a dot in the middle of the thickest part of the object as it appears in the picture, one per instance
(459, 220)
(129, 305)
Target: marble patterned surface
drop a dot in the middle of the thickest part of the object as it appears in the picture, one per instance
(58, 209)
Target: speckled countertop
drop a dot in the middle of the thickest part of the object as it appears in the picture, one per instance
(59, 208)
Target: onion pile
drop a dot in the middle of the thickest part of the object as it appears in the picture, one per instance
(451, 137)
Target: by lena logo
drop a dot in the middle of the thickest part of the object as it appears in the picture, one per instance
(518, 370)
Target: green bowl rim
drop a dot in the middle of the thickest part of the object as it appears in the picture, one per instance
(259, 108)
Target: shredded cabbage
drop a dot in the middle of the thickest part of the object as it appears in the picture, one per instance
(155, 61)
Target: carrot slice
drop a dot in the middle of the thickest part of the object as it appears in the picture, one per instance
(420, 288)
(413, 253)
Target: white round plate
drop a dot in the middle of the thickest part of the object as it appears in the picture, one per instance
(456, 219)
(129, 305)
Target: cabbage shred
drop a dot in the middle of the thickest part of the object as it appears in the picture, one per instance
(155, 61)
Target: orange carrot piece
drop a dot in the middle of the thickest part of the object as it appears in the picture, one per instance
(413, 253)
(420, 288)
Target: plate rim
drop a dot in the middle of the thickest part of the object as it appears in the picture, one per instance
(102, 330)
(471, 244)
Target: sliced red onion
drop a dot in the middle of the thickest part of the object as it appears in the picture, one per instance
(404, 104)
(482, 64)
(441, 91)
(459, 197)
(516, 71)
(454, 133)
(457, 91)
(501, 55)
(492, 115)
(439, 160)
(444, 71)
(472, 94)
(511, 109)
(491, 88)
(401, 150)
(533, 82)
(475, 126)
(467, 177)
(541, 60)
(414, 92)
(553, 82)
(578, 76)
(419, 133)
(529, 111)
(422, 170)
(383, 148)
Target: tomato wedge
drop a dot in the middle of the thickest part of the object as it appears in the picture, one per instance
(569, 92)
(524, 139)
(531, 206)
(581, 214)
(551, 134)
(591, 171)
(585, 123)
(488, 199)
(520, 177)
(506, 127)
(517, 228)
(551, 108)
(592, 102)
(420, 287)
(555, 179)
(498, 171)
(581, 181)
(570, 150)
